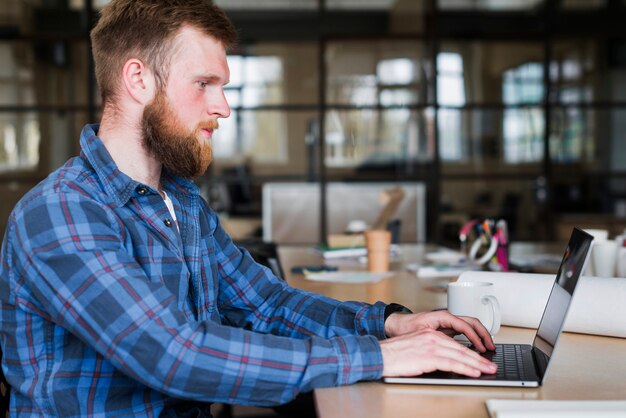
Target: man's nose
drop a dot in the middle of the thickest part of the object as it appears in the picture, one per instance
(219, 106)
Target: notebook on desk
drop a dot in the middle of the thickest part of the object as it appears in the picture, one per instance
(523, 364)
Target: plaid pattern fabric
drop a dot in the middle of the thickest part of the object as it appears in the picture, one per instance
(108, 309)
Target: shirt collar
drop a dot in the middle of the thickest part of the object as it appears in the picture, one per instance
(119, 186)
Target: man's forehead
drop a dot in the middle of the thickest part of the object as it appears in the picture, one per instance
(190, 38)
(200, 52)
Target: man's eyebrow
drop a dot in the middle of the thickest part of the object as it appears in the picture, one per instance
(206, 76)
(212, 78)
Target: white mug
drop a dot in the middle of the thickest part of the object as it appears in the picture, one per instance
(621, 262)
(604, 258)
(599, 235)
(475, 299)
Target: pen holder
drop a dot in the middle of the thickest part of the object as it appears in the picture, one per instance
(486, 243)
(482, 251)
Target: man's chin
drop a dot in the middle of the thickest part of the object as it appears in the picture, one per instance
(205, 168)
(189, 174)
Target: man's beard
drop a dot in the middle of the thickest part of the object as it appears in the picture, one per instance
(181, 152)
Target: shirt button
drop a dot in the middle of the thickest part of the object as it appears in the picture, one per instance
(142, 190)
(168, 222)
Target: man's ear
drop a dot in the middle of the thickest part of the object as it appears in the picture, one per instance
(138, 81)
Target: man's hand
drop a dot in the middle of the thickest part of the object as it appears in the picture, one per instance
(422, 343)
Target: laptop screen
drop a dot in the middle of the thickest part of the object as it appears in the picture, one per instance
(561, 295)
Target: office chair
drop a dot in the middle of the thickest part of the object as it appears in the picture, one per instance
(5, 392)
(394, 226)
(240, 191)
(265, 253)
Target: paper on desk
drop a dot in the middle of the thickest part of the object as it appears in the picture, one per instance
(598, 306)
(500, 408)
(448, 257)
(445, 263)
(329, 253)
(348, 276)
(437, 271)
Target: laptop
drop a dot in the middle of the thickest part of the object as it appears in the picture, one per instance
(524, 365)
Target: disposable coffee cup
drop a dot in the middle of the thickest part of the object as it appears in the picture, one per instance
(378, 243)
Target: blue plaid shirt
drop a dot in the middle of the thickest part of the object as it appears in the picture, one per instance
(108, 309)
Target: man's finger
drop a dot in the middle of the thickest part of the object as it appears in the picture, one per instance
(466, 363)
(482, 336)
(457, 350)
(475, 332)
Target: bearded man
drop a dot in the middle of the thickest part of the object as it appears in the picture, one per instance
(121, 294)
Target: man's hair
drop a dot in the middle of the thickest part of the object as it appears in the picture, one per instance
(145, 29)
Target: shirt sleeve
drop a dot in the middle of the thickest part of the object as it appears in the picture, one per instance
(72, 268)
(252, 297)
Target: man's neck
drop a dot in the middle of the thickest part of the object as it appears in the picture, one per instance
(124, 143)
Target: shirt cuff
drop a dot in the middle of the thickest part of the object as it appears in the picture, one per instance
(370, 320)
(396, 307)
(358, 358)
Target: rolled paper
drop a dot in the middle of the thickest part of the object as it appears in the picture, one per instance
(598, 306)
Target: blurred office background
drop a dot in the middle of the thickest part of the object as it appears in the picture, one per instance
(504, 108)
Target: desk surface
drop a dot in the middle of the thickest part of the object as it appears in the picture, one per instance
(403, 287)
(584, 366)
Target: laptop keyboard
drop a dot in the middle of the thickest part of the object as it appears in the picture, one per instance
(513, 360)
(510, 362)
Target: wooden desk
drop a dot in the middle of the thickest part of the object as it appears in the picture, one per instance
(402, 288)
(584, 367)
(579, 370)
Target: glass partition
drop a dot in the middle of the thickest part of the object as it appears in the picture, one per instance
(374, 139)
(274, 74)
(370, 73)
(490, 72)
(491, 140)
(575, 75)
(20, 136)
(267, 4)
(489, 5)
(44, 73)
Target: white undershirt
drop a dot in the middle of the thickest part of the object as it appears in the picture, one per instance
(170, 207)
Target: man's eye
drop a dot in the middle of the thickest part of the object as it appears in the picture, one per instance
(202, 84)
